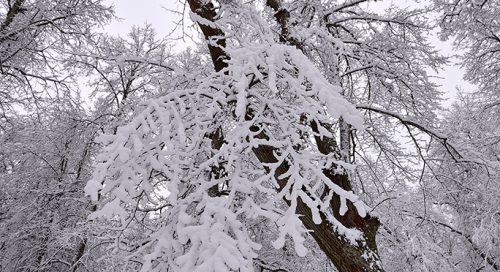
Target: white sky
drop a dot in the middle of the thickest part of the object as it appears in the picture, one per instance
(134, 12)
(159, 13)
(156, 13)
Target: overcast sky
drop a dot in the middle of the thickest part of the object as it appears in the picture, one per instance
(156, 13)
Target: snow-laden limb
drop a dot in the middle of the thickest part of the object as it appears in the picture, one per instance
(214, 241)
(163, 156)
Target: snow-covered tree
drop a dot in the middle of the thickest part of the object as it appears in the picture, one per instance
(474, 27)
(45, 161)
(449, 218)
(269, 134)
(34, 37)
(44, 148)
(46, 154)
(468, 188)
(298, 136)
(458, 225)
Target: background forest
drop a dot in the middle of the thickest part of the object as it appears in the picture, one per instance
(292, 136)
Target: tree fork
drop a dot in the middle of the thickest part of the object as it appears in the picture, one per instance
(345, 256)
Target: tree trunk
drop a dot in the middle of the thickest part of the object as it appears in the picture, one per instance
(11, 14)
(214, 36)
(346, 257)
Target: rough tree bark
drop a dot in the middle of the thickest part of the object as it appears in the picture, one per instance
(344, 256)
(214, 36)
